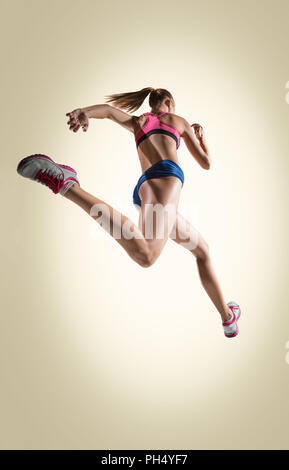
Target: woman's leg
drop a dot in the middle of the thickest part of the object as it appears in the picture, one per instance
(158, 212)
(186, 235)
(140, 242)
(120, 227)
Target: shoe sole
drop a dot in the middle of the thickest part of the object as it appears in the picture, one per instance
(26, 159)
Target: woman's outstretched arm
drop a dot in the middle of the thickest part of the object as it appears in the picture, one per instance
(80, 117)
(97, 111)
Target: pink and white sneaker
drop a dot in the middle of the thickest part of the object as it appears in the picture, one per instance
(231, 327)
(40, 168)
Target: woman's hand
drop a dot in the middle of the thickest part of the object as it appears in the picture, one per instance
(77, 119)
(199, 131)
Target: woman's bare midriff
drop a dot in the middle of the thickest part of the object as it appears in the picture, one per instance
(158, 146)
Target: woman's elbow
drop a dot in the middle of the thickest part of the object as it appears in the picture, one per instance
(206, 164)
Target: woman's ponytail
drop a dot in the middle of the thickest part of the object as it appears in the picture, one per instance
(131, 101)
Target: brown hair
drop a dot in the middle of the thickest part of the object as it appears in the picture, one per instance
(131, 101)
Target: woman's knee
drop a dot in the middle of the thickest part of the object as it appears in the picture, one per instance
(202, 252)
(146, 258)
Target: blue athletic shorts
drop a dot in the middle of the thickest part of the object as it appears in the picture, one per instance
(158, 170)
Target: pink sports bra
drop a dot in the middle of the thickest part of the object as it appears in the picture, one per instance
(155, 126)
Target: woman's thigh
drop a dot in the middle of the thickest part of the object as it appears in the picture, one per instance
(186, 235)
(159, 206)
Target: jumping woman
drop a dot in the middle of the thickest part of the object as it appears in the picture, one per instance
(157, 136)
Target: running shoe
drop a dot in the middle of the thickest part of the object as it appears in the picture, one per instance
(41, 168)
(231, 327)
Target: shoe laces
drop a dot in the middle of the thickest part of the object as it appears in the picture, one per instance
(50, 179)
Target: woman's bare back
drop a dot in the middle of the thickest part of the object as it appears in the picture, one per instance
(158, 146)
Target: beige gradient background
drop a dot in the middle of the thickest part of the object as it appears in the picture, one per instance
(97, 352)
